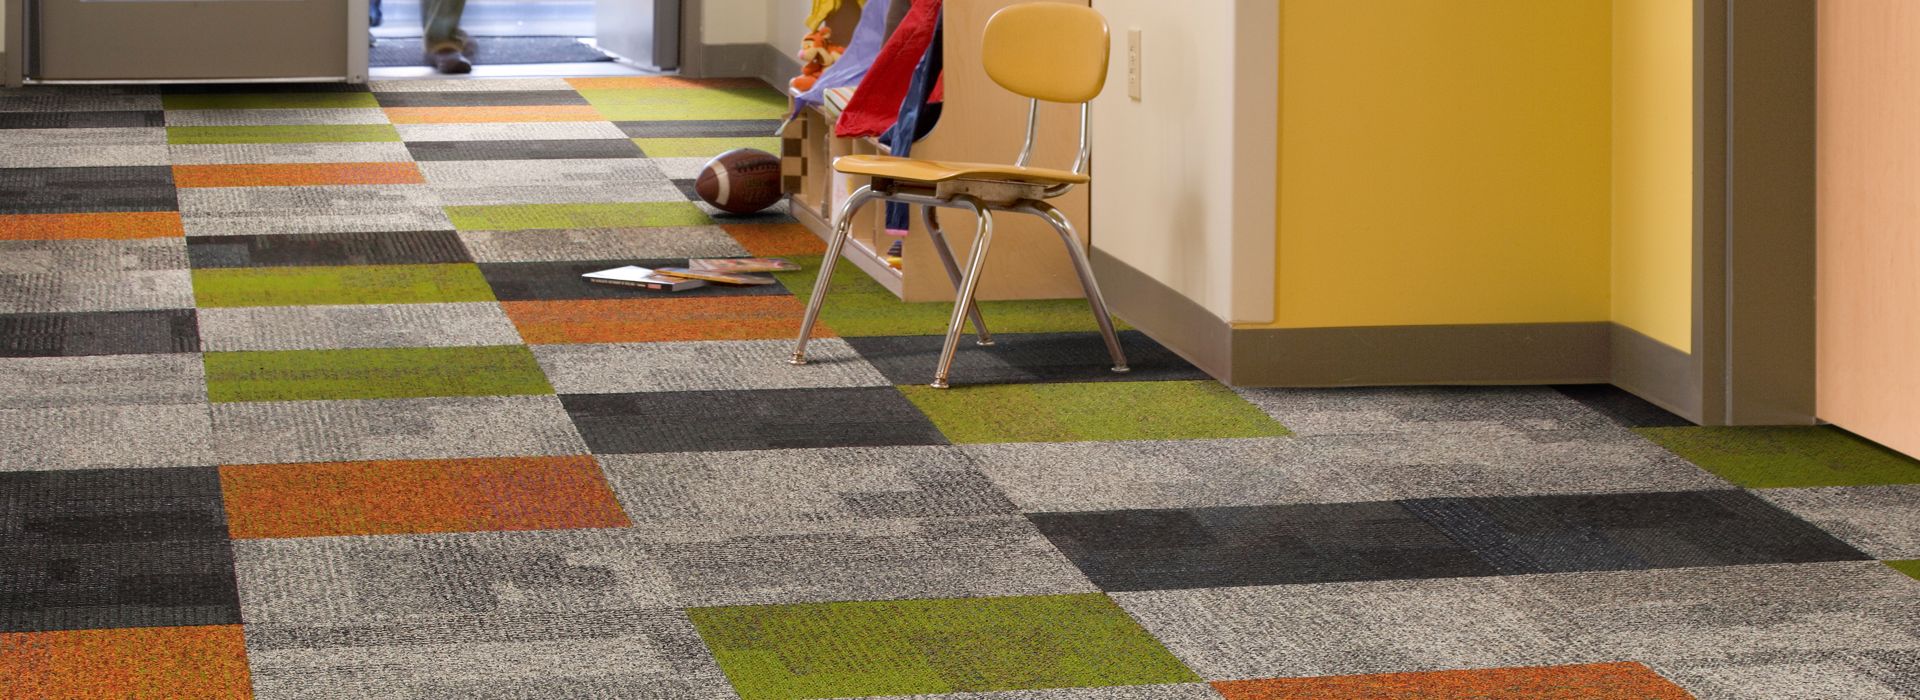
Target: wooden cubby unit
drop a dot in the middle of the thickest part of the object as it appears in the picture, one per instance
(980, 122)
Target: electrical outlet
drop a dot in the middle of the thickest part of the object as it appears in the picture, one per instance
(1133, 64)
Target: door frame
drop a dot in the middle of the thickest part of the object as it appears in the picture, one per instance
(19, 43)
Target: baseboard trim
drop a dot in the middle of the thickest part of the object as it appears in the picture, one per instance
(1179, 323)
(1655, 371)
(1526, 353)
(1521, 353)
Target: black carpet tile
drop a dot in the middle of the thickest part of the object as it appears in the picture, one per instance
(99, 333)
(677, 129)
(70, 190)
(482, 98)
(555, 281)
(1143, 550)
(1612, 532)
(114, 548)
(1432, 538)
(81, 120)
(1624, 408)
(709, 421)
(322, 249)
(686, 186)
(524, 150)
(1019, 358)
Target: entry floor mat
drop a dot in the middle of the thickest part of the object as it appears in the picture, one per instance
(495, 50)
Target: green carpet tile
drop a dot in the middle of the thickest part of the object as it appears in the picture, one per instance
(319, 133)
(1910, 567)
(858, 306)
(1787, 457)
(653, 104)
(704, 147)
(373, 373)
(522, 217)
(365, 284)
(1094, 411)
(907, 647)
(271, 100)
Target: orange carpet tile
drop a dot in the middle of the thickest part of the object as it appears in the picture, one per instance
(131, 662)
(658, 320)
(295, 174)
(1611, 681)
(133, 224)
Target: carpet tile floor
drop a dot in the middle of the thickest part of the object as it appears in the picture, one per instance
(301, 396)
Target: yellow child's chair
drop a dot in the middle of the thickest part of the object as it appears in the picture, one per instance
(1042, 51)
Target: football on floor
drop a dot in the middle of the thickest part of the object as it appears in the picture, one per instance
(740, 181)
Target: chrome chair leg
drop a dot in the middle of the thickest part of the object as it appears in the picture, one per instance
(842, 230)
(982, 238)
(1064, 227)
(930, 216)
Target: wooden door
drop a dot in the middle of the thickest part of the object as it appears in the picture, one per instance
(1869, 220)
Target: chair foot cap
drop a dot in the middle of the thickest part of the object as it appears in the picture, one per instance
(797, 359)
(1121, 369)
(939, 384)
(985, 342)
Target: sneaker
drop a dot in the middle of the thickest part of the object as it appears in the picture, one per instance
(450, 61)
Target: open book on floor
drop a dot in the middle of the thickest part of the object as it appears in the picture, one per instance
(636, 276)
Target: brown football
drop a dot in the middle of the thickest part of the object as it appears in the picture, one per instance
(740, 181)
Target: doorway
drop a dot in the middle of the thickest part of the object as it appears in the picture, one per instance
(534, 37)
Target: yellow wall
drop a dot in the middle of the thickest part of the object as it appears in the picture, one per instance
(1444, 162)
(1653, 169)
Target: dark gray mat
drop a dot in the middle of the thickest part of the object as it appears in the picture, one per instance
(496, 50)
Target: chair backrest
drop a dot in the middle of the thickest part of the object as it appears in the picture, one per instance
(1047, 51)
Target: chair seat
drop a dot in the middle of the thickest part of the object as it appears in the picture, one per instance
(916, 170)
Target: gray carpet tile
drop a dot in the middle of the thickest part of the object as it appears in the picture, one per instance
(274, 117)
(229, 211)
(1883, 521)
(869, 560)
(1537, 412)
(1026, 358)
(67, 136)
(775, 214)
(554, 171)
(510, 131)
(48, 292)
(729, 365)
(1800, 676)
(98, 333)
(601, 244)
(552, 281)
(1648, 616)
(1193, 473)
(425, 151)
(81, 120)
(109, 380)
(98, 437)
(87, 189)
(773, 491)
(83, 99)
(81, 156)
(430, 428)
(92, 255)
(680, 168)
(1132, 550)
(708, 421)
(460, 85)
(114, 548)
(564, 95)
(700, 128)
(231, 153)
(320, 249)
(1183, 691)
(1601, 532)
(357, 326)
(645, 654)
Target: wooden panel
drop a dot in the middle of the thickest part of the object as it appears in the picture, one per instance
(1869, 250)
(90, 40)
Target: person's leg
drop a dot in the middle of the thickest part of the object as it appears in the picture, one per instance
(442, 37)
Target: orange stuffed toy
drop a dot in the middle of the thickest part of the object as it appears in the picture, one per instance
(816, 53)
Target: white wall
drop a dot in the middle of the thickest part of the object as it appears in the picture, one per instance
(736, 21)
(1183, 180)
(787, 24)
